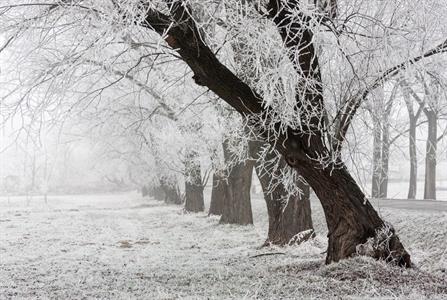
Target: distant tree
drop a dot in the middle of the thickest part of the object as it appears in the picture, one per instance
(237, 200)
(413, 123)
(217, 194)
(194, 200)
(382, 142)
(432, 108)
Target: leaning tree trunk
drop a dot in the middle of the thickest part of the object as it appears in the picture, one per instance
(288, 215)
(412, 188)
(430, 158)
(354, 225)
(237, 202)
(193, 184)
(217, 195)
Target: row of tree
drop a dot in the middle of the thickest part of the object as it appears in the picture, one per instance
(432, 105)
(271, 85)
(289, 213)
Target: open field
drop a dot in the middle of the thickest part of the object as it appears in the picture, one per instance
(125, 247)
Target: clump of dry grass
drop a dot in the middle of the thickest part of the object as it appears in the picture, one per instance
(380, 277)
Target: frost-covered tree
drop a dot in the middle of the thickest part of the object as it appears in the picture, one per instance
(323, 60)
(432, 103)
(304, 146)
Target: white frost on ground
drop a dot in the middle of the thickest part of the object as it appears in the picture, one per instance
(127, 247)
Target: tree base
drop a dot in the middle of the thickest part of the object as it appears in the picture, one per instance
(385, 245)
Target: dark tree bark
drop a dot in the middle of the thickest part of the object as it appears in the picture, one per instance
(217, 195)
(430, 156)
(237, 200)
(193, 184)
(351, 219)
(350, 216)
(304, 209)
(194, 197)
(288, 215)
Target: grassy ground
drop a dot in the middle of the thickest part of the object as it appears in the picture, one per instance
(126, 247)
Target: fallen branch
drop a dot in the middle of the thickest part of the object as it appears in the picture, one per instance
(268, 253)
